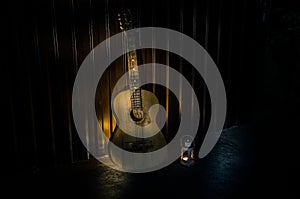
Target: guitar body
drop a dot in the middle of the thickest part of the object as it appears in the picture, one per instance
(123, 135)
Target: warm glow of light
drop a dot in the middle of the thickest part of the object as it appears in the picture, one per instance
(106, 127)
(185, 158)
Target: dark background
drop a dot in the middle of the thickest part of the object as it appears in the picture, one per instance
(255, 45)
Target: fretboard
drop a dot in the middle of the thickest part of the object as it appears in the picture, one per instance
(126, 23)
(134, 81)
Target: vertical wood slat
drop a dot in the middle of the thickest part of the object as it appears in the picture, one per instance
(56, 58)
(219, 23)
(229, 47)
(194, 28)
(33, 122)
(107, 35)
(16, 152)
(181, 25)
(204, 104)
(167, 76)
(91, 123)
(241, 60)
(75, 66)
(36, 46)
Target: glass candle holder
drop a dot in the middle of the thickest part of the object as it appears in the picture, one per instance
(187, 156)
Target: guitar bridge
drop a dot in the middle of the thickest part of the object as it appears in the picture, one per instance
(140, 146)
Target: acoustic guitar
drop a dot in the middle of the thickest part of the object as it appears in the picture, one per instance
(131, 109)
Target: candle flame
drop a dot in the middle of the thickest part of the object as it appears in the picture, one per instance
(185, 158)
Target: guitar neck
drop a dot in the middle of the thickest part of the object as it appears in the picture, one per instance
(126, 23)
(134, 81)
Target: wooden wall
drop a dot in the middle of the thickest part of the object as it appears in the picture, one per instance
(50, 39)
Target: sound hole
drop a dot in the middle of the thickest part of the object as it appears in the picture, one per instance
(136, 115)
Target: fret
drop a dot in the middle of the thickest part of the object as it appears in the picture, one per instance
(136, 100)
(136, 92)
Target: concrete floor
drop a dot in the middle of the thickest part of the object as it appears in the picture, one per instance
(227, 172)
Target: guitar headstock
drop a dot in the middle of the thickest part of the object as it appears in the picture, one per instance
(125, 20)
